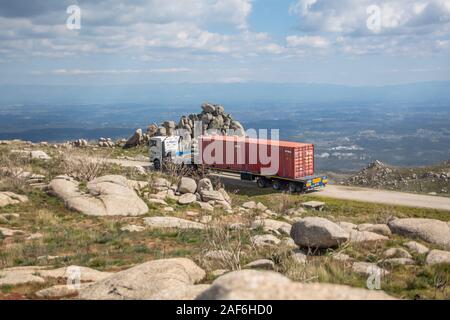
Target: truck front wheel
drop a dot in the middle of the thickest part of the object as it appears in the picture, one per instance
(157, 164)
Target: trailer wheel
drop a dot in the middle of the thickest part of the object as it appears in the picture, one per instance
(301, 188)
(276, 185)
(262, 182)
(293, 187)
(157, 164)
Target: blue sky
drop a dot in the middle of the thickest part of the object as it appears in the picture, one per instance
(225, 41)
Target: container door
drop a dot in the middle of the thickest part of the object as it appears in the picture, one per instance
(287, 162)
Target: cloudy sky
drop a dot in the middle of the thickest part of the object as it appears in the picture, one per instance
(354, 42)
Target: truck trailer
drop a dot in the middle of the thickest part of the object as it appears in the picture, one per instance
(291, 165)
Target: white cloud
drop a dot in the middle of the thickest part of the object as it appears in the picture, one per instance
(307, 41)
(120, 26)
(350, 16)
(88, 72)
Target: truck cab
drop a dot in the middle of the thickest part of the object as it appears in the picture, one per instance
(173, 148)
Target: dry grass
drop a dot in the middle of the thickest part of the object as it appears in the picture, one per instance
(12, 169)
(82, 167)
(232, 245)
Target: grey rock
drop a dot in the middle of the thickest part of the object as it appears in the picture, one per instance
(135, 140)
(264, 240)
(318, 232)
(149, 280)
(429, 230)
(10, 198)
(261, 264)
(269, 285)
(272, 225)
(106, 196)
(416, 247)
(187, 185)
(435, 257)
(396, 253)
(187, 198)
(204, 185)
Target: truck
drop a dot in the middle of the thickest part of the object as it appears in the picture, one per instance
(294, 170)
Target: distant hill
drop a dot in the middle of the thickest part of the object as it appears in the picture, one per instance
(185, 93)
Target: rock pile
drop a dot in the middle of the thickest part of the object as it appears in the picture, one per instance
(376, 174)
(106, 143)
(79, 143)
(189, 191)
(212, 118)
(425, 180)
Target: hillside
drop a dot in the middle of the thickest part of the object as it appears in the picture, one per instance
(427, 179)
(138, 220)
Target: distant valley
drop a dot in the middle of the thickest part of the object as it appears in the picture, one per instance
(347, 136)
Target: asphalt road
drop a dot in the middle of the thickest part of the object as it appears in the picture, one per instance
(337, 192)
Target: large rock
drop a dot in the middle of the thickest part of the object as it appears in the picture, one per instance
(205, 206)
(396, 253)
(135, 140)
(150, 280)
(86, 274)
(39, 154)
(105, 196)
(59, 291)
(212, 196)
(429, 230)
(261, 264)
(187, 198)
(172, 222)
(181, 293)
(268, 285)
(187, 185)
(416, 247)
(204, 185)
(436, 257)
(318, 233)
(161, 184)
(20, 275)
(264, 240)
(8, 198)
(6, 232)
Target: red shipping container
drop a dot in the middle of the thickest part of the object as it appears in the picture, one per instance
(290, 160)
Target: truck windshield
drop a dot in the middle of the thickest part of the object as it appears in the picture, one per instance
(153, 143)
